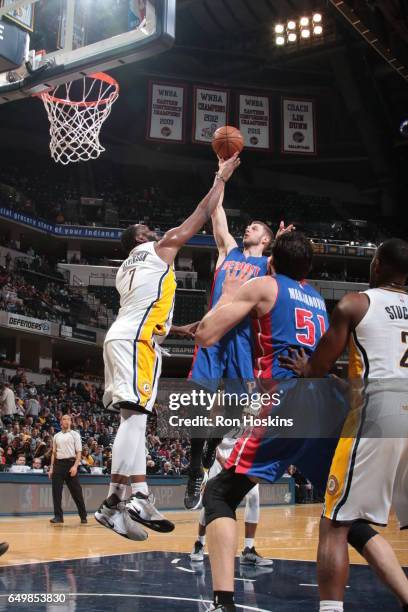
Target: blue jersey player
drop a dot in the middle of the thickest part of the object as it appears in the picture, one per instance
(231, 357)
(287, 313)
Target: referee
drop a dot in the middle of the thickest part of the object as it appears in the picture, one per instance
(66, 456)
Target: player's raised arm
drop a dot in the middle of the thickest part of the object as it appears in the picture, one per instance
(172, 241)
(346, 316)
(240, 296)
(224, 240)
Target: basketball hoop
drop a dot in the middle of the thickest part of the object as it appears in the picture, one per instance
(76, 116)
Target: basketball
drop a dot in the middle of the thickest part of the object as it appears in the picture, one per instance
(226, 141)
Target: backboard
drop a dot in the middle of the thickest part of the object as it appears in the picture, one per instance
(72, 38)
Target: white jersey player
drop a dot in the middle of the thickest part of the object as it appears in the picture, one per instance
(146, 284)
(369, 472)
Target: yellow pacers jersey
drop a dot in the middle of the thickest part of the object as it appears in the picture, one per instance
(147, 286)
(379, 344)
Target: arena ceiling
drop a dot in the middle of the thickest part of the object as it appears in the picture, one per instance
(361, 98)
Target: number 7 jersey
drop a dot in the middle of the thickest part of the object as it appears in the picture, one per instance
(147, 287)
(297, 320)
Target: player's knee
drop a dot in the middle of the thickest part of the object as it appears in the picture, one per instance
(252, 506)
(223, 494)
(360, 533)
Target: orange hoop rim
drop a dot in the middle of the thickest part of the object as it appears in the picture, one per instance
(97, 76)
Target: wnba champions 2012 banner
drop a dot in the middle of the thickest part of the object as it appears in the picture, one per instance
(255, 121)
(210, 112)
(166, 112)
(298, 126)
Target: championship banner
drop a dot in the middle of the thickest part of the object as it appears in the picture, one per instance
(255, 121)
(28, 324)
(298, 127)
(166, 112)
(210, 112)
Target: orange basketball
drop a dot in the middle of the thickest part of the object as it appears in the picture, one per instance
(226, 141)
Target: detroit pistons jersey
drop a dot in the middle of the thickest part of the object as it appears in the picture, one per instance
(231, 357)
(297, 320)
(236, 260)
(147, 286)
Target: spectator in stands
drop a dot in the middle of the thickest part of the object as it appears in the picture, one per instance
(32, 403)
(167, 469)
(10, 456)
(31, 435)
(87, 459)
(7, 401)
(20, 466)
(2, 456)
(37, 465)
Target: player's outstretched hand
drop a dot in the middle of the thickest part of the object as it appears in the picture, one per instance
(234, 279)
(295, 361)
(186, 331)
(284, 230)
(226, 168)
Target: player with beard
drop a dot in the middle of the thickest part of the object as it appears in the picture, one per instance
(231, 358)
(146, 283)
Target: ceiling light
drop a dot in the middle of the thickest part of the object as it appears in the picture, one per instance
(292, 37)
(317, 18)
(291, 25)
(304, 21)
(317, 30)
(280, 40)
(305, 33)
(279, 28)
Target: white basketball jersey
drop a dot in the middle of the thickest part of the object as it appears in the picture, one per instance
(379, 344)
(147, 287)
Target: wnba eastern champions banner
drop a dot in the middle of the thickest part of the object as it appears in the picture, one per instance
(166, 112)
(210, 112)
(254, 121)
(298, 127)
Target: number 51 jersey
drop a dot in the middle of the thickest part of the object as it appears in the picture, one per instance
(297, 320)
(147, 287)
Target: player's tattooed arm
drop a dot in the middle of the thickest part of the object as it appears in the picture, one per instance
(346, 316)
(257, 295)
(172, 241)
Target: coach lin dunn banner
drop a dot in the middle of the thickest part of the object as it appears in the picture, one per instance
(210, 112)
(166, 112)
(255, 121)
(29, 324)
(298, 127)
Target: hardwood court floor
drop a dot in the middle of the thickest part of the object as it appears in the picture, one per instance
(283, 533)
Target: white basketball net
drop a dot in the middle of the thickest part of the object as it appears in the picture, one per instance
(75, 124)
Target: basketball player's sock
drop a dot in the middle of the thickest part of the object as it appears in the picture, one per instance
(116, 488)
(249, 542)
(201, 539)
(331, 606)
(222, 598)
(140, 487)
(197, 445)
